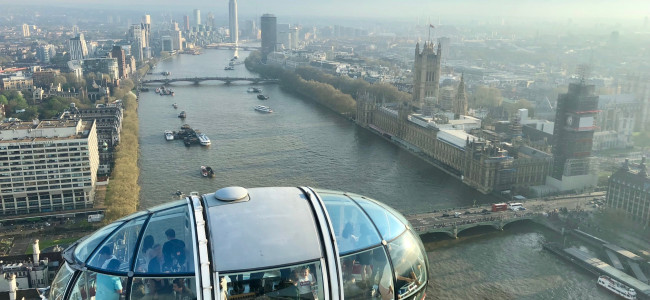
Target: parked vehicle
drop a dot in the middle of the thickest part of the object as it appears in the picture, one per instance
(499, 207)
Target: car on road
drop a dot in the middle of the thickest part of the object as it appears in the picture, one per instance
(445, 215)
(457, 215)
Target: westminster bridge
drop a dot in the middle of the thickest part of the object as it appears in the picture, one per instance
(454, 221)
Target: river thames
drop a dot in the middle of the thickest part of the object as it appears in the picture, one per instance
(305, 144)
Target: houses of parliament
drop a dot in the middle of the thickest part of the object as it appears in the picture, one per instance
(443, 134)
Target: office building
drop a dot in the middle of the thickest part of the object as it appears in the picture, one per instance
(167, 43)
(136, 35)
(210, 20)
(186, 23)
(26, 32)
(107, 66)
(295, 41)
(234, 24)
(197, 18)
(283, 36)
(177, 40)
(47, 166)
(627, 191)
(269, 34)
(426, 74)
(118, 53)
(78, 48)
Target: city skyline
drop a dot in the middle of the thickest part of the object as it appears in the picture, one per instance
(552, 9)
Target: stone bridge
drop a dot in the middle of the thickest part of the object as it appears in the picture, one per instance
(427, 223)
(197, 80)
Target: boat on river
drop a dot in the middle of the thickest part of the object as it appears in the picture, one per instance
(264, 109)
(203, 139)
(254, 90)
(207, 171)
(169, 135)
(182, 115)
(175, 105)
(617, 287)
(229, 68)
(262, 97)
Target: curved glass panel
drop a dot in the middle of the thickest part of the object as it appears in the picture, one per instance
(167, 205)
(182, 288)
(388, 224)
(92, 285)
(352, 228)
(367, 275)
(121, 245)
(293, 282)
(60, 282)
(409, 263)
(167, 244)
(86, 247)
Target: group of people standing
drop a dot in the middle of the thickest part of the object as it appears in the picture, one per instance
(170, 257)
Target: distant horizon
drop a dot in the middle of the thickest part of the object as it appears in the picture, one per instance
(596, 10)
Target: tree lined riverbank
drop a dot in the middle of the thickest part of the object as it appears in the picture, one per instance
(338, 93)
(122, 195)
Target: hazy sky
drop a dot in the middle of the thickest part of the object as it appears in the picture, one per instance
(553, 9)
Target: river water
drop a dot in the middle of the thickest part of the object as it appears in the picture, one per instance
(304, 144)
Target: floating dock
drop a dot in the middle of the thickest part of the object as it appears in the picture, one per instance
(597, 267)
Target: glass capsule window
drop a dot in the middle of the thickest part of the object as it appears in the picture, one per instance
(409, 263)
(181, 288)
(92, 285)
(166, 245)
(387, 223)
(87, 246)
(367, 275)
(119, 246)
(352, 228)
(60, 282)
(303, 281)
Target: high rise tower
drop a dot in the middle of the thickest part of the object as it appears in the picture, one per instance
(574, 130)
(197, 17)
(186, 23)
(269, 33)
(26, 30)
(146, 27)
(78, 48)
(234, 25)
(426, 74)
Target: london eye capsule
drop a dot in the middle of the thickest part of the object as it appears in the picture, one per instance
(272, 242)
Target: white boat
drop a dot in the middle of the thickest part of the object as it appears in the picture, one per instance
(169, 135)
(254, 90)
(203, 139)
(617, 288)
(264, 109)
